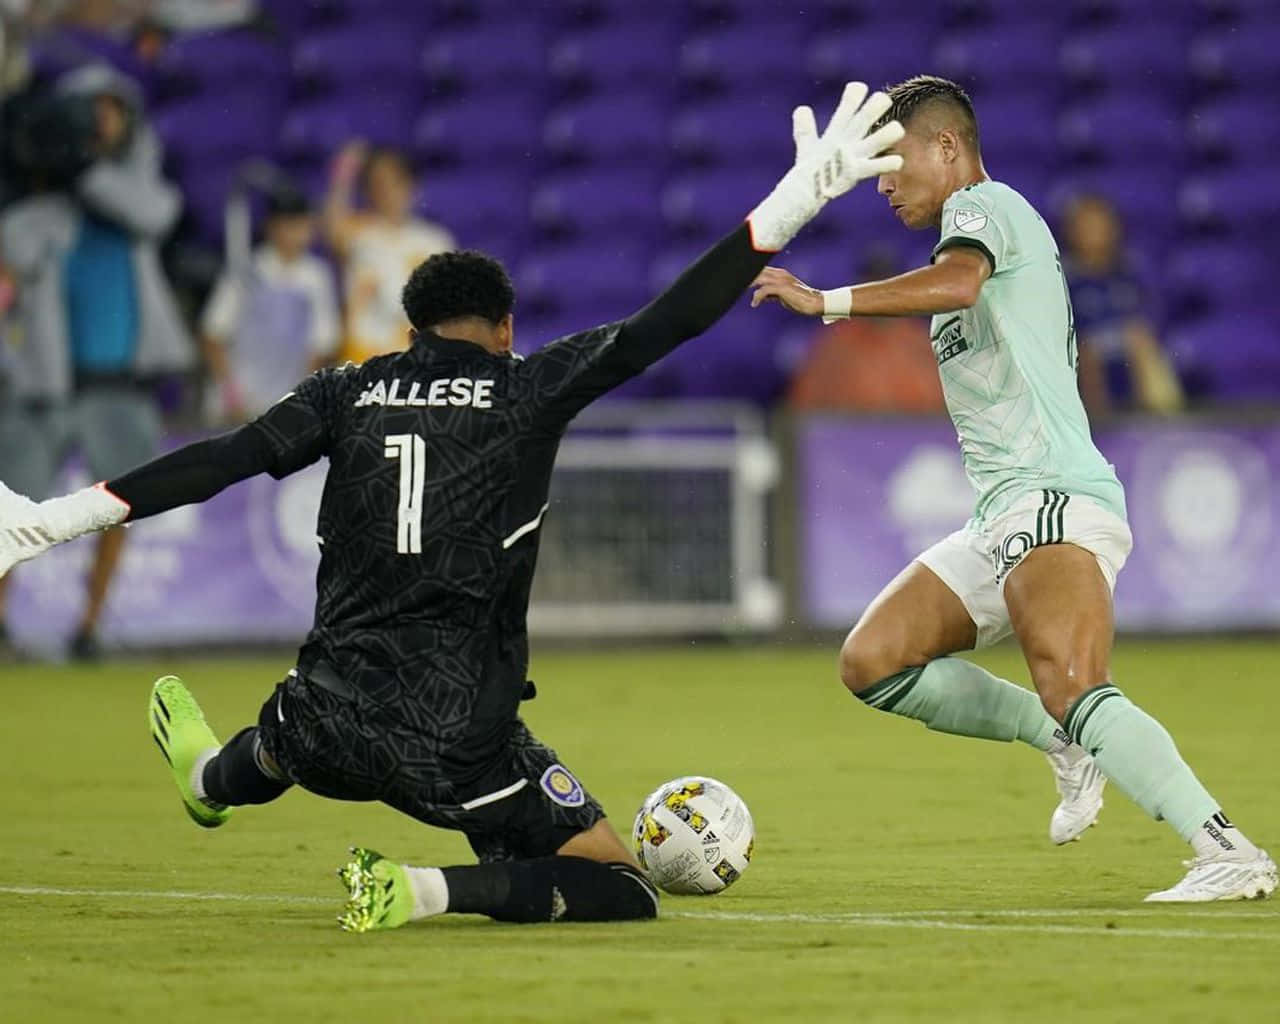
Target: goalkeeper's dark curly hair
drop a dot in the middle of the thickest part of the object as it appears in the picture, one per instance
(921, 91)
(453, 285)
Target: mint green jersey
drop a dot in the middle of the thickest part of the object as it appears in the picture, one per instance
(1008, 363)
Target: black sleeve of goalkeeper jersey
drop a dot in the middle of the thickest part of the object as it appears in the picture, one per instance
(293, 433)
(700, 296)
(194, 473)
(571, 373)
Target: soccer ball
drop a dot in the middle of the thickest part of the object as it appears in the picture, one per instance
(694, 835)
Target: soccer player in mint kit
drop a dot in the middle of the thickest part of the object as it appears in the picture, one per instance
(1040, 556)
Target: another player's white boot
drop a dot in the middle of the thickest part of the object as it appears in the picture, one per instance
(1229, 875)
(1080, 782)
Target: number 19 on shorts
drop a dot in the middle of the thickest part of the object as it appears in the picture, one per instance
(411, 450)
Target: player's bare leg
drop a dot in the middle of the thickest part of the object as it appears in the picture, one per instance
(1060, 606)
(895, 660)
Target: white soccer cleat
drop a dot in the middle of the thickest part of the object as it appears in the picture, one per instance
(1223, 876)
(1080, 782)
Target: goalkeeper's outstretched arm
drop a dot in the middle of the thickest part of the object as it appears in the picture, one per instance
(287, 437)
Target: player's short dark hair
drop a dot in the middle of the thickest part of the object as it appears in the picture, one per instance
(452, 285)
(922, 91)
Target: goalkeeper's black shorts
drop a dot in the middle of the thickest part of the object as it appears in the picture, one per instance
(334, 743)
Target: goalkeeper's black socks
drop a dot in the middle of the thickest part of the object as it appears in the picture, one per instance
(239, 773)
(546, 889)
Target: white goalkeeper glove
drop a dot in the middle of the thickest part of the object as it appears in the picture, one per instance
(827, 165)
(29, 528)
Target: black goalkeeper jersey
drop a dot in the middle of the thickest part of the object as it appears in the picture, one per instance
(440, 460)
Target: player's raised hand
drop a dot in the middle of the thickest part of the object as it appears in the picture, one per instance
(783, 287)
(827, 165)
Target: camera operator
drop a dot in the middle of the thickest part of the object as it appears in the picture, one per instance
(94, 316)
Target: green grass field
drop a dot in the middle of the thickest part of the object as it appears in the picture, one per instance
(900, 875)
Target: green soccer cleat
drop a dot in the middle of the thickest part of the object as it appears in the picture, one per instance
(379, 895)
(180, 731)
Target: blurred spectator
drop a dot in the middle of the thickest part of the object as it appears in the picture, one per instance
(1122, 365)
(94, 312)
(870, 364)
(274, 319)
(378, 247)
(201, 15)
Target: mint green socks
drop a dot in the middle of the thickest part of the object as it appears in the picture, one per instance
(1136, 753)
(956, 696)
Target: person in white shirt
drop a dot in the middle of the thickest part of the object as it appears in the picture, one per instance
(378, 247)
(272, 321)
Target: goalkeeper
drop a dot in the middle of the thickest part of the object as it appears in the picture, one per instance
(408, 687)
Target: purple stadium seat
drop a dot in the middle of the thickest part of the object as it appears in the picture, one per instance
(878, 54)
(475, 129)
(317, 130)
(205, 189)
(1149, 55)
(219, 127)
(1239, 352)
(1242, 201)
(993, 14)
(595, 202)
(296, 16)
(735, 129)
(768, 60)
(735, 358)
(1238, 57)
(1219, 276)
(618, 127)
(1017, 124)
(1006, 59)
(1109, 11)
(359, 55)
(607, 277)
(1235, 129)
(481, 59)
(1229, 12)
(1122, 126)
(614, 55)
(475, 202)
(219, 60)
(709, 203)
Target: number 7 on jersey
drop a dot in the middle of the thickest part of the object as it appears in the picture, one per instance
(411, 450)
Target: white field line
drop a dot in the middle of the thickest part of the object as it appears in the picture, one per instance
(943, 920)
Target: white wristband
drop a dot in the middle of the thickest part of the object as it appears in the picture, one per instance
(837, 304)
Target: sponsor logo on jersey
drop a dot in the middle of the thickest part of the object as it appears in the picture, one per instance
(455, 391)
(559, 784)
(949, 342)
(969, 221)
